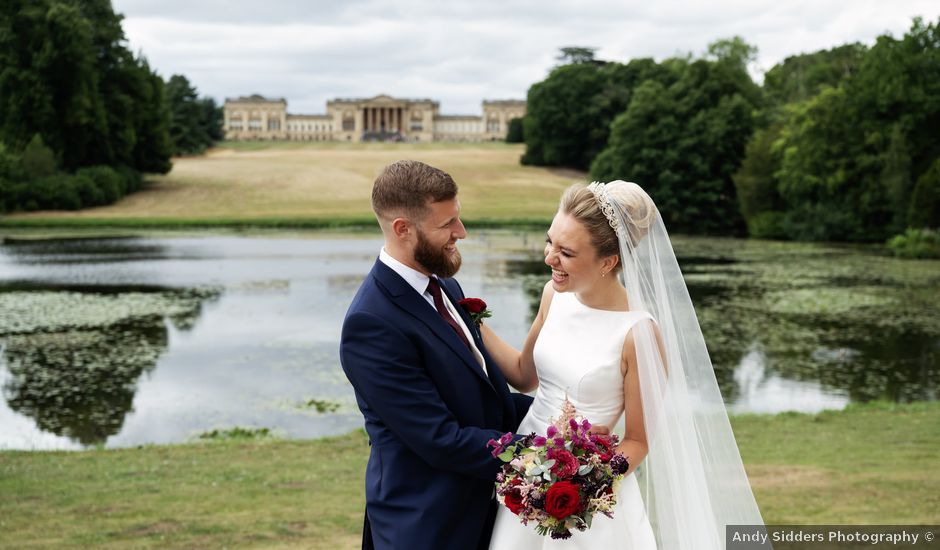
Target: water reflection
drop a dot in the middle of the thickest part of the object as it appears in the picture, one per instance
(80, 383)
(155, 339)
(763, 391)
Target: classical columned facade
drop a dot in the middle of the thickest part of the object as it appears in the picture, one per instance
(379, 118)
(383, 119)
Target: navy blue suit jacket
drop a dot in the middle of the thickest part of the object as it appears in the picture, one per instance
(429, 411)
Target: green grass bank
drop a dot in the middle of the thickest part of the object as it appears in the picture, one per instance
(875, 463)
(318, 185)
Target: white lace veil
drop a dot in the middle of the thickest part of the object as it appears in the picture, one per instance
(693, 481)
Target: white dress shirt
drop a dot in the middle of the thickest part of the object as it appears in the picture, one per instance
(419, 281)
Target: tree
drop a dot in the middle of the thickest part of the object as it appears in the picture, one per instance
(153, 148)
(557, 124)
(852, 151)
(756, 184)
(212, 119)
(187, 133)
(925, 200)
(801, 77)
(515, 133)
(569, 113)
(734, 51)
(49, 85)
(69, 77)
(575, 55)
(38, 160)
(194, 123)
(684, 141)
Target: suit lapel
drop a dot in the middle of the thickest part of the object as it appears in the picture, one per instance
(405, 296)
(492, 369)
(464, 315)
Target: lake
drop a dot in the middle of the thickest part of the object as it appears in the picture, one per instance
(122, 340)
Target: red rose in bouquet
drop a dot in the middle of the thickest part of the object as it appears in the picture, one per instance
(563, 499)
(513, 501)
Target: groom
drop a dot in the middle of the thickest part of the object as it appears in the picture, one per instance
(430, 393)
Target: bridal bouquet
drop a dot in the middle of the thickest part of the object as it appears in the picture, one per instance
(559, 480)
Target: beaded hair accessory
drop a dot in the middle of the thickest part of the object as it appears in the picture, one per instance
(604, 201)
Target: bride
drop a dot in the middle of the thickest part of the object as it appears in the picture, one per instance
(617, 335)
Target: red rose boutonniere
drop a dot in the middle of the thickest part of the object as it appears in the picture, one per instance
(476, 308)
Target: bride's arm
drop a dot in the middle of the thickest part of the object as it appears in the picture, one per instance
(519, 367)
(634, 445)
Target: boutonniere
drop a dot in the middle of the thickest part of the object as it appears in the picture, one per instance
(476, 308)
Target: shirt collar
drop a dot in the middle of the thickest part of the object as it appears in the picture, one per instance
(416, 279)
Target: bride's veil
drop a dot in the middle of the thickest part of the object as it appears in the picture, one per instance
(693, 481)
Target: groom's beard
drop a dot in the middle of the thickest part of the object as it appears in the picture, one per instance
(436, 260)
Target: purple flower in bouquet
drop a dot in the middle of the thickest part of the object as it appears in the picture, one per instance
(500, 446)
(619, 464)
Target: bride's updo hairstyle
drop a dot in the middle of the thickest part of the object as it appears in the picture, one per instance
(583, 204)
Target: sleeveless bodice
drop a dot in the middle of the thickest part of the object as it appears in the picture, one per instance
(578, 354)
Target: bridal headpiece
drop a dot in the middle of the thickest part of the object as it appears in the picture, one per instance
(605, 202)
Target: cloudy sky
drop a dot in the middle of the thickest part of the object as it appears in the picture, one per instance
(461, 52)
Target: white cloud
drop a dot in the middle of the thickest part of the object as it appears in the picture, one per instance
(463, 52)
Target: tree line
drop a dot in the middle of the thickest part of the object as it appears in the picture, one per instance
(81, 117)
(839, 145)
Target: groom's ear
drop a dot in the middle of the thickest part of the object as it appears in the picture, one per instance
(402, 228)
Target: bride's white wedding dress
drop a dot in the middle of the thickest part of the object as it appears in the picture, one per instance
(577, 355)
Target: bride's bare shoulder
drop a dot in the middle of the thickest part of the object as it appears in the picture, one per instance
(548, 292)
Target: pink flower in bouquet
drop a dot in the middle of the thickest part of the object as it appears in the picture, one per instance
(566, 464)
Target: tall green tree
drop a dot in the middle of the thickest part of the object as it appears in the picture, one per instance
(187, 133)
(48, 79)
(797, 79)
(515, 133)
(576, 54)
(568, 116)
(195, 123)
(211, 119)
(801, 77)
(684, 141)
(852, 152)
(67, 75)
(153, 148)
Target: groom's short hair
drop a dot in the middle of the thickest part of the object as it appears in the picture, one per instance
(405, 188)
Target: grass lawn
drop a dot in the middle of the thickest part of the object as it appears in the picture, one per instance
(318, 184)
(872, 464)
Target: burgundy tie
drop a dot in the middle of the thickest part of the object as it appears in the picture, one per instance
(435, 289)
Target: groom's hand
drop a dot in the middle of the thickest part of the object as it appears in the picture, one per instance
(599, 430)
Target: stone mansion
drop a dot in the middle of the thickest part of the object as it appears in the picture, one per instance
(380, 118)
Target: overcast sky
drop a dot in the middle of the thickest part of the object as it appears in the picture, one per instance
(461, 52)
